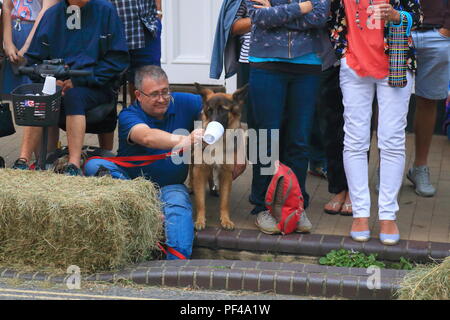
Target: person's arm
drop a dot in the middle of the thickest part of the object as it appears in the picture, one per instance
(296, 15)
(114, 61)
(445, 30)
(241, 26)
(39, 49)
(45, 5)
(158, 139)
(159, 9)
(10, 48)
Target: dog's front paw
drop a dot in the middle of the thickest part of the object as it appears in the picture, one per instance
(200, 225)
(227, 224)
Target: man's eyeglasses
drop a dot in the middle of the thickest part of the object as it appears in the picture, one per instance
(155, 95)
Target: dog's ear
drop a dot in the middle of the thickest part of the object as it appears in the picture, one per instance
(240, 95)
(204, 92)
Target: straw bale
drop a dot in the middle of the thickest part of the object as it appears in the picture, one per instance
(431, 282)
(52, 220)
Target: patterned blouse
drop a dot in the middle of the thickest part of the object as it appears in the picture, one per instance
(338, 27)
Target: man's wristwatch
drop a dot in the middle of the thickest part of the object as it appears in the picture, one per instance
(159, 12)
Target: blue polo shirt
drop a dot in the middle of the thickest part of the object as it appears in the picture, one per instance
(183, 110)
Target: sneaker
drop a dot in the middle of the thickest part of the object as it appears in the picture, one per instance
(420, 178)
(2, 162)
(266, 223)
(71, 170)
(102, 171)
(303, 225)
(21, 164)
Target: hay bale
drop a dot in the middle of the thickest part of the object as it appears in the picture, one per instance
(49, 220)
(427, 283)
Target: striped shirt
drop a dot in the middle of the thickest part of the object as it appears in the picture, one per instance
(245, 38)
(137, 15)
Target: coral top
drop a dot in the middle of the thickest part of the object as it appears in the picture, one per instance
(365, 53)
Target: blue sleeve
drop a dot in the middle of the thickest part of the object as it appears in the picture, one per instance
(128, 118)
(39, 49)
(191, 107)
(114, 58)
(289, 15)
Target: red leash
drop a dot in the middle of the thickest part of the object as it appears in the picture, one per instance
(172, 251)
(125, 161)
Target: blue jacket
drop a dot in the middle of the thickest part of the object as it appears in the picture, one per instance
(283, 31)
(99, 45)
(226, 47)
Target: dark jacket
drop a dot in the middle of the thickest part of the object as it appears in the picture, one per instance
(283, 31)
(436, 13)
(338, 27)
(98, 46)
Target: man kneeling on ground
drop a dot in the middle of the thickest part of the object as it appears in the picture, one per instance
(145, 128)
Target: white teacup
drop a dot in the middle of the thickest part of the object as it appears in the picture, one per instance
(214, 131)
(49, 85)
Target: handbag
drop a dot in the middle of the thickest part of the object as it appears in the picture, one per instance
(6, 122)
(398, 48)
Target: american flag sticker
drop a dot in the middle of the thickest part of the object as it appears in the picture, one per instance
(29, 103)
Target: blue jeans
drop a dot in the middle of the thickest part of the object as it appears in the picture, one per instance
(177, 207)
(286, 102)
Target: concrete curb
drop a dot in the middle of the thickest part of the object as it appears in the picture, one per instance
(317, 244)
(275, 277)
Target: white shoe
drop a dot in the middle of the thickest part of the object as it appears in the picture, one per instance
(304, 225)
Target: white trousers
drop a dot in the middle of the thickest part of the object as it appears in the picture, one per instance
(358, 94)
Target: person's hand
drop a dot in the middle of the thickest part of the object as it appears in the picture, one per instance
(386, 12)
(238, 169)
(445, 32)
(305, 7)
(196, 136)
(66, 85)
(11, 52)
(262, 4)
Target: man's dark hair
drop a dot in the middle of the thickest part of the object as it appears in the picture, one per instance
(153, 72)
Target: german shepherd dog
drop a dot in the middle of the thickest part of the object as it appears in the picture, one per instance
(226, 109)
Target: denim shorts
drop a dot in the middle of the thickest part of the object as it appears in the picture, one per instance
(433, 66)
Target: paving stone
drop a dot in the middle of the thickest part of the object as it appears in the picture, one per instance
(330, 242)
(309, 244)
(207, 238)
(155, 276)
(219, 279)
(267, 281)
(333, 286)
(247, 240)
(170, 277)
(203, 278)
(186, 276)
(228, 239)
(284, 282)
(290, 243)
(251, 280)
(235, 279)
(299, 284)
(349, 287)
(266, 242)
(316, 284)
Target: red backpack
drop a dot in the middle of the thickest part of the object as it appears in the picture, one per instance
(284, 198)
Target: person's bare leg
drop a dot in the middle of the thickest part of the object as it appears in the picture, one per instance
(424, 122)
(53, 138)
(31, 141)
(360, 224)
(106, 140)
(76, 128)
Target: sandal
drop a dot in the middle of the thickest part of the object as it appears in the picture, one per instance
(345, 209)
(337, 205)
